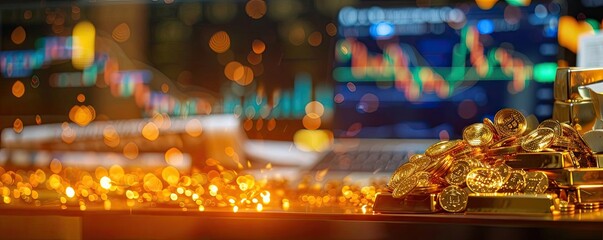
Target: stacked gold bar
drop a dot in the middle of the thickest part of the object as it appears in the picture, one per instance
(498, 166)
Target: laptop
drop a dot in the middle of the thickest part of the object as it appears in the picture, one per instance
(407, 77)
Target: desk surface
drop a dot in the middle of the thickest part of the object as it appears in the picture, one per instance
(172, 223)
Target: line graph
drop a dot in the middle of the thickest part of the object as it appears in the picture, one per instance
(402, 64)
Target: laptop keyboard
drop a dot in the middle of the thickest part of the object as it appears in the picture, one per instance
(362, 161)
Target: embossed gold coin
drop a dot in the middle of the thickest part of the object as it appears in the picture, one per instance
(477, 135)
(453, 199)
(504, 170)
(538, 140)
(423, 179)
(515, 183)
(458, 172)
(536, 182)
(552, 124)
(510, 122)
(484, 180)
(422, 161)
(405, 186)
(443, 147)
(404, 171)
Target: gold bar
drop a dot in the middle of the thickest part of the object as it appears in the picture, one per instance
(517, 203)
(541, 160)
(568, 80)
(591, 193)
(385, 203)
(572, 177)
(581, 112)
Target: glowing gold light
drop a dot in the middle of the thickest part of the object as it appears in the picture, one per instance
(81, 97)
(131, 150)
(82, 115)
(18, 125)
(121, 32)
(116, 172)
(105, 182)
(84, 35)
(286, 204)
(315, 107)
(255, 9)
(170, 175)
(70, 192)
(243, 75)
(315, 39)
(219, 42)
(38, 119)
(235, 209)
(55, 166)
(173, 156)
(258, 46)
(201, 208)
(486, 4)
(331, 29)
(193, 128)
(110, 136)
(311, 121)
(150, 131)
(18, 89)
(254, 58)
(18, 35)
(312, 140)
(230, 68)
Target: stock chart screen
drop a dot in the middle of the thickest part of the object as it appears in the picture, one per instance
(426, 72)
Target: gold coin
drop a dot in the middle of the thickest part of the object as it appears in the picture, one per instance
(516, 182)
(504, 170)
(552, 124)
(484, 180)
(536, 182)
(423, 179)
(401, 173)
(458, 173)
(490, 125)
(422, 161)
(538, 139)
(453, 199)
(510, 122)
(477, 135)
(405, 186)
(443, 147)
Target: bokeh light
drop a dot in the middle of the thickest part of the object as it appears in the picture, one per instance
(219, 42)
(18, 89)
(18, 35)
(174, 156)
(84, 35)
(130, 150)
(313, 140)
(258, 46)
(18, 125)
(82, 115)
(315, 39)
(121, 32)
(331, 29)
(150, 131)
(255, 9)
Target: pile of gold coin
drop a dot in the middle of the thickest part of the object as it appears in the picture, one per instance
(477, 163)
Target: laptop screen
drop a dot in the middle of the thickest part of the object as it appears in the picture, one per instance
(426, 73)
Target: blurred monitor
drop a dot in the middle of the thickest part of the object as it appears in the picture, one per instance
(427, 72)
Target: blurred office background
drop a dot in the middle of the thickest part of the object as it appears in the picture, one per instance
(280, 65)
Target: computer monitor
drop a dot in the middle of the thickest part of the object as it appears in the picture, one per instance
(427, 72)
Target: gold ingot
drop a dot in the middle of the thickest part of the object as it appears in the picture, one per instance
(405, 186)
(453, 199)
(484, 180)
(477, 135)
(516, 182)
(401, 173)
(536, 182)
(538, 140)
(510, 122)
(458, 173)
(443, 147)
(422, 161)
